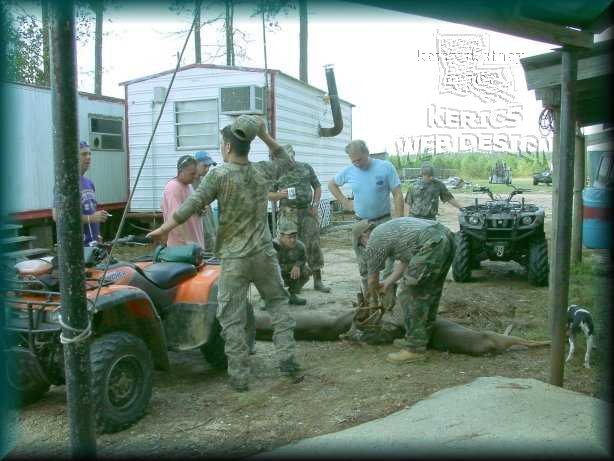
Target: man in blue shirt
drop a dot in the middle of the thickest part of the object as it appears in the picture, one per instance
(90, 217)
(372, 181)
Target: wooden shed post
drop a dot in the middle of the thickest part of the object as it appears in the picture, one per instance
(556, 136)
(559, 290)
(578, 185)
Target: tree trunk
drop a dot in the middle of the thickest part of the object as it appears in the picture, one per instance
(302, 11)
(230, 52)
(99, 11)
(197, 32)
(46, 56)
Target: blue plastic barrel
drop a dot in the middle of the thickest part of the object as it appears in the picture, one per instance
(597, 220)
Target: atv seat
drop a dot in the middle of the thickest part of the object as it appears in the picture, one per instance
(167, 275)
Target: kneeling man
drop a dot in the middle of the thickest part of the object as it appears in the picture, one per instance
(292, 260)
(424, 251)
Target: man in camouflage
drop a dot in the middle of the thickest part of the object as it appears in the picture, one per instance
(243, 243)
(303, 212)
(424, 251)
(292, 260)
(423, 196)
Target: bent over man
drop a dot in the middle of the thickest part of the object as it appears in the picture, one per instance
(425, 250)
(243, 243)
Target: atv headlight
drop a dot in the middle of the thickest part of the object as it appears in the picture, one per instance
(474, 220)
(53, 316)
(526, 220)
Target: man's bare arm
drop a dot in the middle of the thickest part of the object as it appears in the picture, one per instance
(334, 189)
(397, 196)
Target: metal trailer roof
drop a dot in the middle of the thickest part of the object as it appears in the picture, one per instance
(216, 66)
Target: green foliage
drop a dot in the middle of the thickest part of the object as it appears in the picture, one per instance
(476, 165)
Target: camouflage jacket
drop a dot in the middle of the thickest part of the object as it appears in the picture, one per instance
(303, 179)
(423, 198)
(241, 192)
(290, 257)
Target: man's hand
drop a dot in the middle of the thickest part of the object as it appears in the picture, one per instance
(348, 205)
(295, 273)
(99, 217)
(158, 235)
(313, 211)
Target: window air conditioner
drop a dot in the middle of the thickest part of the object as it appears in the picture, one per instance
(238, 100)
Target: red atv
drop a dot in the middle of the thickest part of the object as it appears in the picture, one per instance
(144, 309)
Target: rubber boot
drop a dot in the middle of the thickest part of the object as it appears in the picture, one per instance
(317, 282)
(405, 356)
(296, 300)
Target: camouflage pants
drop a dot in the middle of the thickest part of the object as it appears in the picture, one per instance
(362, 261)
(420, 301)
(308, 233)
(294, 286)
(261, 269)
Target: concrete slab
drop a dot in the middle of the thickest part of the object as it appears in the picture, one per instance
(489, 416)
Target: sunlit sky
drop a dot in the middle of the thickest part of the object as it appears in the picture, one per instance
(375, 53)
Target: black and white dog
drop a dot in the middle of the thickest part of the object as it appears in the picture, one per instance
(579, 319)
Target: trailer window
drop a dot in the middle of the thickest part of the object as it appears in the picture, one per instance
(106, 133)
(196, 124)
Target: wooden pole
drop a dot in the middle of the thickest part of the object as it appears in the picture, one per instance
(578, 185)
(74, 313)
(556, 114)
(560, 265)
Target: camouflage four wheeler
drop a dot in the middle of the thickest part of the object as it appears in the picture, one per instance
(501, 229)
(144, 309)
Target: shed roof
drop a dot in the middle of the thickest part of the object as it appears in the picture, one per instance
(560, 22)
(216, 66)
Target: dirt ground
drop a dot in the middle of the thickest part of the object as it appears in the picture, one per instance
(193, 410)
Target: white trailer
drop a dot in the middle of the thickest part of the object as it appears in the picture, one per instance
(30, 170)
(204, 98)
(30, 148)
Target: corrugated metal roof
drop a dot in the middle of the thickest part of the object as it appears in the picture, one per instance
(215, 66)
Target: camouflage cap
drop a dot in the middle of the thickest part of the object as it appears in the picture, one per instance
(287, 227)
(360, 228)
(245, 127)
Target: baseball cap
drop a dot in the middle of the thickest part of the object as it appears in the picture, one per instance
(245, 127)
(203, 157)
(83, 145)
(287, 227)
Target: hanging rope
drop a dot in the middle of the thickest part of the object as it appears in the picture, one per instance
(138, 176)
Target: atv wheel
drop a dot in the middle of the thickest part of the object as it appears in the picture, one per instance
(461, 266)
(537, 267)
(26, 381)
(121, 380)
(213, 350)
(535, 182)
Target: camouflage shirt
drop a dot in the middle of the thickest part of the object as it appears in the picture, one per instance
(423, 198)
(303, 179)
(290, 257)
(241, 192)
(399, 238)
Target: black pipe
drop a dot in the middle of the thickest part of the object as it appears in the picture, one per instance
(334, 105)
(69, 228)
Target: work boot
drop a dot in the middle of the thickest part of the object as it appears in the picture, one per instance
(296, 300)
(405, 356)
(289, 366)
(401, 343)
(317, 282)
(238, 385)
